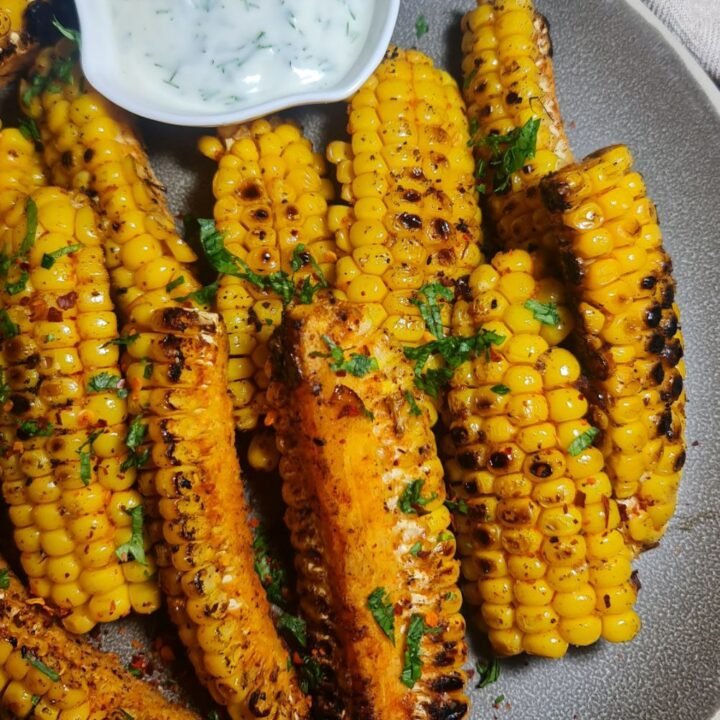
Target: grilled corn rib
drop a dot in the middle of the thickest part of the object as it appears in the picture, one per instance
(611, 247)
(183, 440)
(63, 421)
(367, 469)
(270, 203)
(508, 83)
(543, 560)
(407, 173)
(46, 673)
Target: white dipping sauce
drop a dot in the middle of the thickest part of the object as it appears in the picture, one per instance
(216, 55)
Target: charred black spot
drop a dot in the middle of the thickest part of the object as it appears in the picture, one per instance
(410, 221)
(676, 387)
(679, 461)
(484, 537)
(471, 460)
(665, 424)
(459, 435)
(541, 469)
(499, 460)
(657, 373)
(669, 324)
(258, 704)
(635, 581)
(656, 344)
(462, 288)
(319, 442)
(512, 98)
(573, 267)
(673, 352)
(446, 256)
(446, 683)
(175, 371)
(66, 159)
(462, 227)
(447, 710)
(412, 196)
(556, 194)
(261, 214)
(653, 315)
(54, 315)
(648, 282)
(67, 301)
(442, 227)
(88, 155)
(252, 191)
(668, 295)
(19, 404)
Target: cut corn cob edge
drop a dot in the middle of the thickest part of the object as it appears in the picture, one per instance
(44, 671)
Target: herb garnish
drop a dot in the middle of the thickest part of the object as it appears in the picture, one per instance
(381, 609)
(460, 506)
(412, 663)
(204, 296)
(411, 500)
(357, 364)
(122, 341)
(414, 407)
(415, 548)
(48, 259)
(546, 313)
(421, 26)
(13, 288)
(32, 428)
(135, 438)
(8, 329)
(107, 381)
(134, 549)
(85, 455)
(583, 441)
(29, 130)
(174, 283)
(69, 33)
(488, 672)
(295, 625)
(430, 310)
(311, 674)
(4, 578)
(272, 575)
(500, 389)
(39, 664)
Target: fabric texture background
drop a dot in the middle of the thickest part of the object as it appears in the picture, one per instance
(697, 24)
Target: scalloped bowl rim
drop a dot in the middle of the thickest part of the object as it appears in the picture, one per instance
(94, 61)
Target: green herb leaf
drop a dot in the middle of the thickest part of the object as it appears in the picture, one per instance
(430, 309)
(148, 370)
(414, 407)
(499, 699)
(32, 428)
(13, 288)
(411, 500)
(421, 26)
(295, 625)
(357, 365)
(31, 216)
(48, 259)
(311, 674)
(460, 506)
(69, 33)
(39, 664)
(445, 535)
(381, 609)
(137, 433)
(272, 575)
(213, 244)
(134, 549)
(500, 389)
(412, 663)
(469, 78)
(107, 381)
(203, 296)
(509, 153)
(488, 672)
(174, 283)
(8, 329)
(546, 313)
(86, 454)
(583, 441)
(122, 341)
(416, 548)
(29, 129)
(4, 578)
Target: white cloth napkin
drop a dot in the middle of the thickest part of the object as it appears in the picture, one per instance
(697, 24)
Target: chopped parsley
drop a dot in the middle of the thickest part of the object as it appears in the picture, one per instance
(499, 699)
(8, 329)
(39, 664)
(381, 609)
(429, 307)
(416, 548)
(414, 407)
(500, 389)
(311, 674)
(31, 219)
(421, 26)
(411, 500)
(357, 364)
(85, 455)
(60, 72)
(509, 153)
(122, 341)
(135, 438)
(69, 33)
(272, 575)
(6, 262)
(583, 441)
(4, 578)
(306, 290)
(29, 130)
(460, 506)
(546, 313)
(32, 428)
(295, 625)
(48, 259)
(148, 369)
(454, 350)
(445, 534)
(107, 381)
(412, 663)
(488, 672)
(134, 549)
(204, 296)
(13, 288)
(174, 283)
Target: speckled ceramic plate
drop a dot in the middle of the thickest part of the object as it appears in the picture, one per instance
(619, 80)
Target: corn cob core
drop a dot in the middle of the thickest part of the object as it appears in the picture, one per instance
(629, 331)
(46, 673)
(89, 146)
(199, 513)
(407, 173)
(271, 196)
(352, 448)
(69, 511)
(544, 563)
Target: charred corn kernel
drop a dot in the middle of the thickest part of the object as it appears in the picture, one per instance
(413, 218)
(508, 81)
(370, 453)
(273, 217)
(534, 565)
(44, 672)
(64, 496)
(629, 331)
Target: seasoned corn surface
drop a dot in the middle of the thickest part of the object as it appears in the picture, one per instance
(629, 331)
(365, 492)
(544, 563)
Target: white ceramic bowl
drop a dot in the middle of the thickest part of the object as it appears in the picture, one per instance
(105, 76)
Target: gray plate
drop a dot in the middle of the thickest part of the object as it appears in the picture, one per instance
(618, 81)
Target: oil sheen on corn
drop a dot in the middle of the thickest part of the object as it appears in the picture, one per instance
(221, 54)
